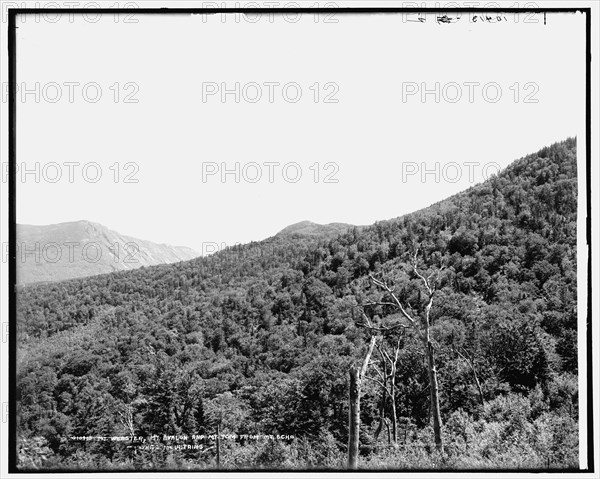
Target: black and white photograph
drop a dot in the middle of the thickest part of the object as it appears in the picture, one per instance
(287, 239)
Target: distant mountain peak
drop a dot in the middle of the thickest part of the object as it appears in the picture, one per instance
(82, 248)
(310, 228)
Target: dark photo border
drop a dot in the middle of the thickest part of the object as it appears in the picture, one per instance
(12, 207)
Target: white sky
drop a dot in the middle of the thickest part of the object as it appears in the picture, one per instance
(369, 133)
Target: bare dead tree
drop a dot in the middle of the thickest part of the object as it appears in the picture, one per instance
(356, 378)
(470, 361)
(126, 418)
(388, 375)
(421, 325)
(219, 445)
(393, 362)
(382, 404)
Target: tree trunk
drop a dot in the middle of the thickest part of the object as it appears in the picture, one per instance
(382, 404)
(481, 400)
(218, 446)
(356, 377)
(354, 418)
(434, 397)
(381, 414)
(393, 401)
(474, 371)
(389, 432)
(394, 423)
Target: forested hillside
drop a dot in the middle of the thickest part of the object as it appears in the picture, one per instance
(258, 340)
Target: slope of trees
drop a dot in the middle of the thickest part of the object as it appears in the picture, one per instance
(258, 340)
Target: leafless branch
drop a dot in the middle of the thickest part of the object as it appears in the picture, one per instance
(365, 365)
(377, 381)
(383, 285)
(379, 303)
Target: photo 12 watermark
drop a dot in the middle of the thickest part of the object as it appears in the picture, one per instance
(69, 15)
(269, 172)
(270, 92)
(50, 252)
(469, 92)
(72, 172)
(275, 12)
(478, 15)
(62, 92)
(448, 172)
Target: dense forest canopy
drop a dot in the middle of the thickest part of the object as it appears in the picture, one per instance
(258, 340)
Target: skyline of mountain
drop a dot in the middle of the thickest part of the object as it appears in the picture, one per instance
(83, 248)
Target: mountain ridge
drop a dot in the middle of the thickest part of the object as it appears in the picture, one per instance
(77, 249)
(310, 228)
